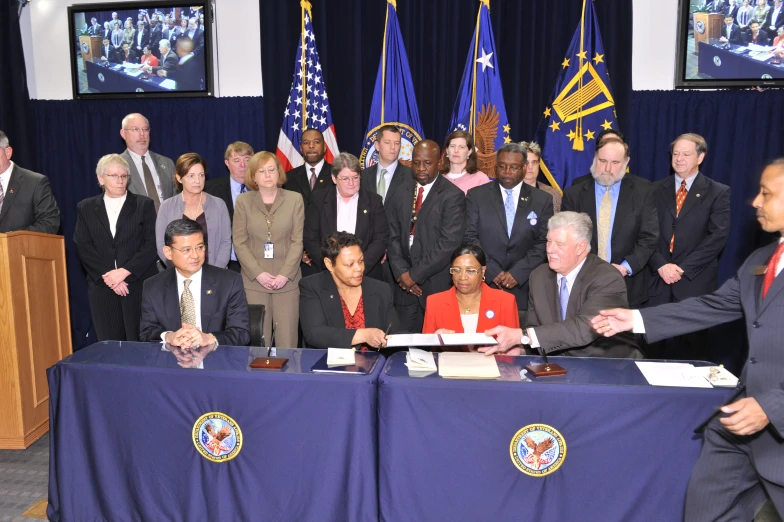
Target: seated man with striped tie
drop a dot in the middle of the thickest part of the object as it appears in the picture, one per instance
(565, 294)
(213, 308)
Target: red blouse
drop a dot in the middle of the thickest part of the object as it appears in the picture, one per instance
(356, 321)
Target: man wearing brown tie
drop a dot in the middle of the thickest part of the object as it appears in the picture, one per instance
(694, 222)
(151, 173)
(742, 459)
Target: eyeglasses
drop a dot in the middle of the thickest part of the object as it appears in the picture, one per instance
(346, 179)
(187, 250)
(470, 272)
(116, 177)
(512, 168)
(136, 130)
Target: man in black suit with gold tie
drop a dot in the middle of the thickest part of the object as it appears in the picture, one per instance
(742, 459)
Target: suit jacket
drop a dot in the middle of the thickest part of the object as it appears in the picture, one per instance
(198, 40)
(741, 298)
(131, 58)
(402, 173)
(112, 56)
(95, 30)
(762, 38)
(29, 203)
(117, 38)
(732, 11)
(218, 228)
(439, 231)
(132, 247)
(163, 165)
(250, 234)
(297, 181)
(224, 308)
(145, 41)
(524, 251)
(321, 220)
(736, 35)
(443, 311)
(189, 75)
(169, 61)
(701, 231)
(598, 286)
(321, 314)
(221, 188)
(635, 229)
(778, 22)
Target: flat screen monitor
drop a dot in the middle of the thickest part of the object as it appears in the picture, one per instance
(730, 43)
(140, 49)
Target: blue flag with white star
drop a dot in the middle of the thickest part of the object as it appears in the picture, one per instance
(582, 105)
(394, 101)
(480, 108)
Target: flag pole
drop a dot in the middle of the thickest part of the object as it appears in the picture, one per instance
(306, 6)
(384, 60)
(578, 140)
(471, 126)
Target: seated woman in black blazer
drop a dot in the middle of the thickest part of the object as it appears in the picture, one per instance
(340, 307)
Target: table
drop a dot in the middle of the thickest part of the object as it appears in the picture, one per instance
(444, 445)
(107, 79)
(122, 421)
(733, 64)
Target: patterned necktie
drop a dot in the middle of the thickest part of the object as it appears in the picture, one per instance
(243, 188)
(509, 208)
(770, 273)
(149, 184)
(312, 178)
(2, 197)
(603, 224)
(680, 197)
(381, 186)
(187, 306)
(418, 205)
(563, 297)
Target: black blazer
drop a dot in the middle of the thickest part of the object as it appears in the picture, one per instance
(189, 75)
(778, 22)
(402, 174)
(733, 12)
(762, 38)
(701, 231)
(224, 307)
(297, 180)
(29, 203)
(525, 250)
(132, 247)
(321, 219)
(736, 36)
(635, 230)
(439, 231)
(221, 188)
(321, 314)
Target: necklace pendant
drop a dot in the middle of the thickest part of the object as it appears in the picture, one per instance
(268, 222)
(467, 310)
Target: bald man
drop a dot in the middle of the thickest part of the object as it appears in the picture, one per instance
(742, 460)
(426, 215)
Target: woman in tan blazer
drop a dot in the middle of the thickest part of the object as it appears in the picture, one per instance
(268, 223)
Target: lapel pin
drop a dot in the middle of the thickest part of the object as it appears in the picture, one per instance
(209, 292)
(364, 211)
(332, 297)
(11, 191)
(321, 181)
(698, 195)
(490, 314)
(760, 270)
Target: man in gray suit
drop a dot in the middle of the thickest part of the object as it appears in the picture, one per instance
(26, 200)
(152, 175)
(742, 459)
(565, 294)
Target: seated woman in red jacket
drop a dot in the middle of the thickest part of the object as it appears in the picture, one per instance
(470, 306)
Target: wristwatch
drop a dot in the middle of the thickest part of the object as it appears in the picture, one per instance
(525, 340)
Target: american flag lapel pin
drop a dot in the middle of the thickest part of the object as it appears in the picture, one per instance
(209, 292)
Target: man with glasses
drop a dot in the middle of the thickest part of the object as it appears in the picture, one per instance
(193, 304)
(152, 175)
(508, 219)
(26, 200)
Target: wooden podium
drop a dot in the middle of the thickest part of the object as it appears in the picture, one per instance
(91, 49)
(35, 331)
(706, 26)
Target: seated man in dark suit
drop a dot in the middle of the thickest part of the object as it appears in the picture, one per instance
(212, 304)
(168, 61)
(26, 200)
(108, 52)
(730, 31)
(566, 294)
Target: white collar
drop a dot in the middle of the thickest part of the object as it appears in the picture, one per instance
(571, 276)
(318, 167)
(7, 174)
(196, 278)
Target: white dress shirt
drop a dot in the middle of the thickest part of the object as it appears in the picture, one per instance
(113, 208)
(5, 177)
(347, 213)
(515, 194)
(570, 279)
(137, 161)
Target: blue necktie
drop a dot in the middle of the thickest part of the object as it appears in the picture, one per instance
(243, 188)
(564, 298)
(509, 208)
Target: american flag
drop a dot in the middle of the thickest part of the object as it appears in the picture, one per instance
(308, 104)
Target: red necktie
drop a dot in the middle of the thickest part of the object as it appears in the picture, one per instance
(770, 273)
(680, 197)
(312, 178)
(418, 204)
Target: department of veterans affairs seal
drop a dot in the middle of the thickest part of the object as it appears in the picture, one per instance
(537, 450)
(217, 437)
(408, 138)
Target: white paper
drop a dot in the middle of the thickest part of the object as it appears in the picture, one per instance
(403, 340)
(168, 84)
(755, 47)
(465, 365)
(129, 65)
(340, 356)
(476, 339)
(134, 73)
(761, 56)
(420, 360)
(672, 374)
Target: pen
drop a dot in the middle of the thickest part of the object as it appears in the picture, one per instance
(385, 334)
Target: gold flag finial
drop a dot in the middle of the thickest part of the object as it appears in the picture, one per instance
(304, 4)
(394, 3)
(486, 2)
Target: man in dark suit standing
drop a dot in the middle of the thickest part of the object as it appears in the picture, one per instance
(732, 10)
(95, 28)
(227, 188)
(508, 219)
(142, 38)
(775, 18)
(742, 459)
(26, 200)
(152, 175)
(426, 224)
(196, 34)
(565, 295)
(388, 173)
(694, 222)
(193, 304)
(189, 72)
(623, 213)
(306, 179)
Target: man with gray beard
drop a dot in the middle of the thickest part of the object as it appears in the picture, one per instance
(623, 211)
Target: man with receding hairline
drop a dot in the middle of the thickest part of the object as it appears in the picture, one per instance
(151, 173)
